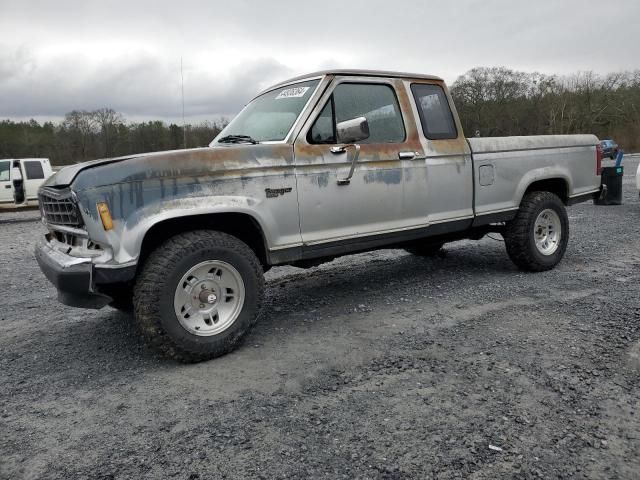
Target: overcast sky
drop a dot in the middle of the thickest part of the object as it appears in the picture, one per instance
(56, 56)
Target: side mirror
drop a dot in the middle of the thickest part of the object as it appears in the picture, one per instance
(353, 130)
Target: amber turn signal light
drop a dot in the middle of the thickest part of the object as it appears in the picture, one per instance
(105, 215)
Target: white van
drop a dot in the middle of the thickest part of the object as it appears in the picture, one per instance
(20, 179)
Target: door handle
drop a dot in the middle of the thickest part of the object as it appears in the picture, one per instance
(407, 155)
(7, 186)
(336, 150)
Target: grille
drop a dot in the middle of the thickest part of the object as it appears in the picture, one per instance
(58, 208)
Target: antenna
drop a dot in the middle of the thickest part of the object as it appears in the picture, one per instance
(184, 125)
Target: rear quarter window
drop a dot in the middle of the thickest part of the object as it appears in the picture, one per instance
(434, 111)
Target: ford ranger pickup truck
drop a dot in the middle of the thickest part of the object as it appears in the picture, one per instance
(323, 165)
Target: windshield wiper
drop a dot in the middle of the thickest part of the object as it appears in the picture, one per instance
(238, 139)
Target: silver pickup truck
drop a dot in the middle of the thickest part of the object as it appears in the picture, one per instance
(323, 165)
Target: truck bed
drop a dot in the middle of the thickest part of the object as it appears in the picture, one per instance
(502, 168)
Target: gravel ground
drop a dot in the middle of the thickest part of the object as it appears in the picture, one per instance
(379, 365)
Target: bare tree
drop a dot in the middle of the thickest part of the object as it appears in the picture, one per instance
(108, 121)
(81, 126)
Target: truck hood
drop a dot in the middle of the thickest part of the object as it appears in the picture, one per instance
(65, 175)
(232, 160)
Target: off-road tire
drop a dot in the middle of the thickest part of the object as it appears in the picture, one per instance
(425, 249)
(519, 236)
(155, 288)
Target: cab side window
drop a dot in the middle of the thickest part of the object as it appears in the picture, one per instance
(324, 128)
(435, 114)
(376, 102)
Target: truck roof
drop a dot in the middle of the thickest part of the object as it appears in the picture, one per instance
(354, 72)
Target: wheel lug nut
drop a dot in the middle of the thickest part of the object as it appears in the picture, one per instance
(203, 286)
(201, 305)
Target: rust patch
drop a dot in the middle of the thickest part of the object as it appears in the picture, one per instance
(405, 105)
(196, 164)
(454, 146)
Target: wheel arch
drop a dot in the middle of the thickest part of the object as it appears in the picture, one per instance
(556, 185)
(241, 225)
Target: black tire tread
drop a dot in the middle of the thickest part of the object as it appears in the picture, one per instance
(154, 272)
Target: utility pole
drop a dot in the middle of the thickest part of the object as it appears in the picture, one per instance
(184, 125)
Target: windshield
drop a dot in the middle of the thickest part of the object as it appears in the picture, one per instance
(269, 117)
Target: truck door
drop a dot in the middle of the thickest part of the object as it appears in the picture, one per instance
(17, 181)
(6, 188)
(446, 195)
(337, 211)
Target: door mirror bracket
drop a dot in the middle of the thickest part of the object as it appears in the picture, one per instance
(350, 132)
(356, 154)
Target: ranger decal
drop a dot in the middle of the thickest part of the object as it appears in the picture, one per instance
(276, 192)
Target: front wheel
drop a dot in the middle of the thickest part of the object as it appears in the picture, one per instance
(537, 237)
(198, 295)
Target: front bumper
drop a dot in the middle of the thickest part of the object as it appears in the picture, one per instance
(78, 280)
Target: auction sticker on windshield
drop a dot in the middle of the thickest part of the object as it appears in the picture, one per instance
(294, 92)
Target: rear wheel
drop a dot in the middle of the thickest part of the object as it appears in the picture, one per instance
(198, 295)
(537, 237)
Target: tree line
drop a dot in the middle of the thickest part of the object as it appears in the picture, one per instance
(85, 135)
(490, 101)
(498, 101)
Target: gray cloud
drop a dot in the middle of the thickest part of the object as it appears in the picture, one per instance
(59, 56)
(135, 85)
